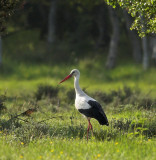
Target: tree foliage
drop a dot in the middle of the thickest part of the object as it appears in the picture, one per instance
(143, 11)
(7, 8)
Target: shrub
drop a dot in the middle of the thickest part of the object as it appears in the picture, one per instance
(2, 101)
(45, 90)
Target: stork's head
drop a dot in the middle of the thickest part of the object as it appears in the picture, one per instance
(74, 72)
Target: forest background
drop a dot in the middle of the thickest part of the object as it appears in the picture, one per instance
(112, 43)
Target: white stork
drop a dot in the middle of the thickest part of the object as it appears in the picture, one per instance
(85, 104)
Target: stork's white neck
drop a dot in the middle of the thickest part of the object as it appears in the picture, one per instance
(78, 90)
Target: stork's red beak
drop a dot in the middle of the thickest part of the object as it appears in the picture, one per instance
(69, 76)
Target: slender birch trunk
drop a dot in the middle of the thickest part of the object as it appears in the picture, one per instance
(145, 53)
(145, 48)
(113, 48)
(101, 26)
(51, 22)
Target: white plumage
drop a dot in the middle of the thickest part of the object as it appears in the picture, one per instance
(81, 97)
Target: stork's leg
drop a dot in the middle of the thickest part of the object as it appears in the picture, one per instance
(88, 129)
(91, 127)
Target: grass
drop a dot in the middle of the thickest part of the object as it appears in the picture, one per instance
(57, 130)
(46, 135)
(66, 139)
(28, 76)
(79, 149)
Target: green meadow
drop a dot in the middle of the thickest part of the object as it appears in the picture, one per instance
(55, 130)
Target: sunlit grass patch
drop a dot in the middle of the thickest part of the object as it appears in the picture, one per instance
(80, 149)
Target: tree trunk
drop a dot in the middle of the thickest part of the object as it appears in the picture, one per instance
(101, 26)
(145, 53)
(153, 48)
(145, 48)
(113, 48)
(135, 41)
(0, 50)
(51, 22)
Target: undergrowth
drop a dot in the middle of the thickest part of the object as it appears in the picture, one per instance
(129, 114)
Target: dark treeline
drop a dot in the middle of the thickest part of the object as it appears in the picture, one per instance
(86, 28)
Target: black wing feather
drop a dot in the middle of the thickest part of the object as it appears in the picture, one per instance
(96, 112)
